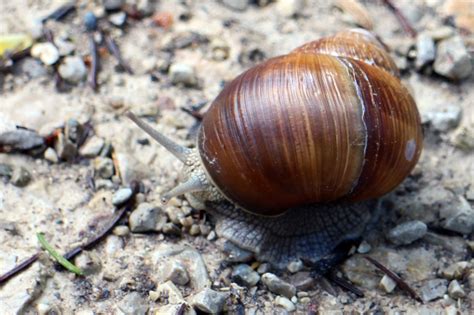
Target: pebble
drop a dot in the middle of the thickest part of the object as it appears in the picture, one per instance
(175, 272)
(433, 289)
(194, 230)
(147, 218)
(263, 268)
(65, 149)
(90, 21)
(88, 262)
(65, 47)
(118, 19)
(387, 284)
(20, 177)
(451, 310)
(6, 170)
(21, 139)
(278, 286)
(220, 49)
(113, 4)
(440, 33)
(92, 147)
(302, 280)
(455, 290)
(73, 130)
(445, 119)
(32, 68)
(101, 183)
(425, 50)
(244, 275)
(295, 266)
(364, 247)
(456, 270)
(167, 291)
(46, 52)
(209, 301)
(452, 59)
(51, 155)
(133, 304)
(408, 232)
(104, 167)
(211, 236)
(190, 258)
(121, 196)
(463, 139)
(171, 229)
(113, 245)
(285, 303)
(235, 253)
(181, 73)
(72, 69)
(290, 8)
(238, 5)
(121, 230)
(458, 216)
(305, 300)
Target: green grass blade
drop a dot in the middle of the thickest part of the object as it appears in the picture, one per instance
(60, 259)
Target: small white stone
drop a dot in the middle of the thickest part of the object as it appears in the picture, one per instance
(285, 303)
(295, 266)
(51, 155)
(455, 290)
(72, 69)
(46, 52)
(289, 8)
(387, 284)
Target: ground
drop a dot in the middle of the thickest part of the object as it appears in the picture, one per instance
(218, 42)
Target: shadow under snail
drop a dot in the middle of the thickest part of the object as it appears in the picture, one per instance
(293, 153)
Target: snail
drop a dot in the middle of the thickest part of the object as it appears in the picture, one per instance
(294, 154)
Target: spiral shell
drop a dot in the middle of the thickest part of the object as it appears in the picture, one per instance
(329, 121)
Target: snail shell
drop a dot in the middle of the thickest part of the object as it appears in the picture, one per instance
(329, 121)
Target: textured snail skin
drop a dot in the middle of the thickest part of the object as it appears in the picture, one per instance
(308, 128)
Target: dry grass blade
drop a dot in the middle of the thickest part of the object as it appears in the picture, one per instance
(402, 284)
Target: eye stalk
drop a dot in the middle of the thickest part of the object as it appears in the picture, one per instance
(196, 180)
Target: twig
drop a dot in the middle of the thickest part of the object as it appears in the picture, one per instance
(60, 12)
(96, 239)
(401, 18)
(402, 284)
(60, 259)
(92, 77)
(345, 284)
(72, 253)
(114, 50)
(194, 113)
(20, 267)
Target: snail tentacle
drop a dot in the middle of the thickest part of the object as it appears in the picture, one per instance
(182, 153)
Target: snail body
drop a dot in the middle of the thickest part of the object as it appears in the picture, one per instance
(293, 153)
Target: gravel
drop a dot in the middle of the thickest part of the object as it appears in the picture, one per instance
(20, 177)
(452, 59)
(433, 289)
(425, 50)
(209, 301)
(408, 232)
(121, 196)
(147, 218)
(285, 303)
(245, 276)
(387, 284)
(183, 74)
(46, 52)
(278, 286)
(176, 273)
(455, 290)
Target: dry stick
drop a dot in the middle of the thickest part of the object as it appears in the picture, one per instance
(90, 243)
(345, 284)
(20, 267)
(402, 284)
(60, 12)
(114, 50)
(194, 113)
(92, 77)
(401, 18)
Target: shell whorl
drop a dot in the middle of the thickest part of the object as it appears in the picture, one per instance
(312, 126)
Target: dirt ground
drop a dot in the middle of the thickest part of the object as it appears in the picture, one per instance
(218, 42)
